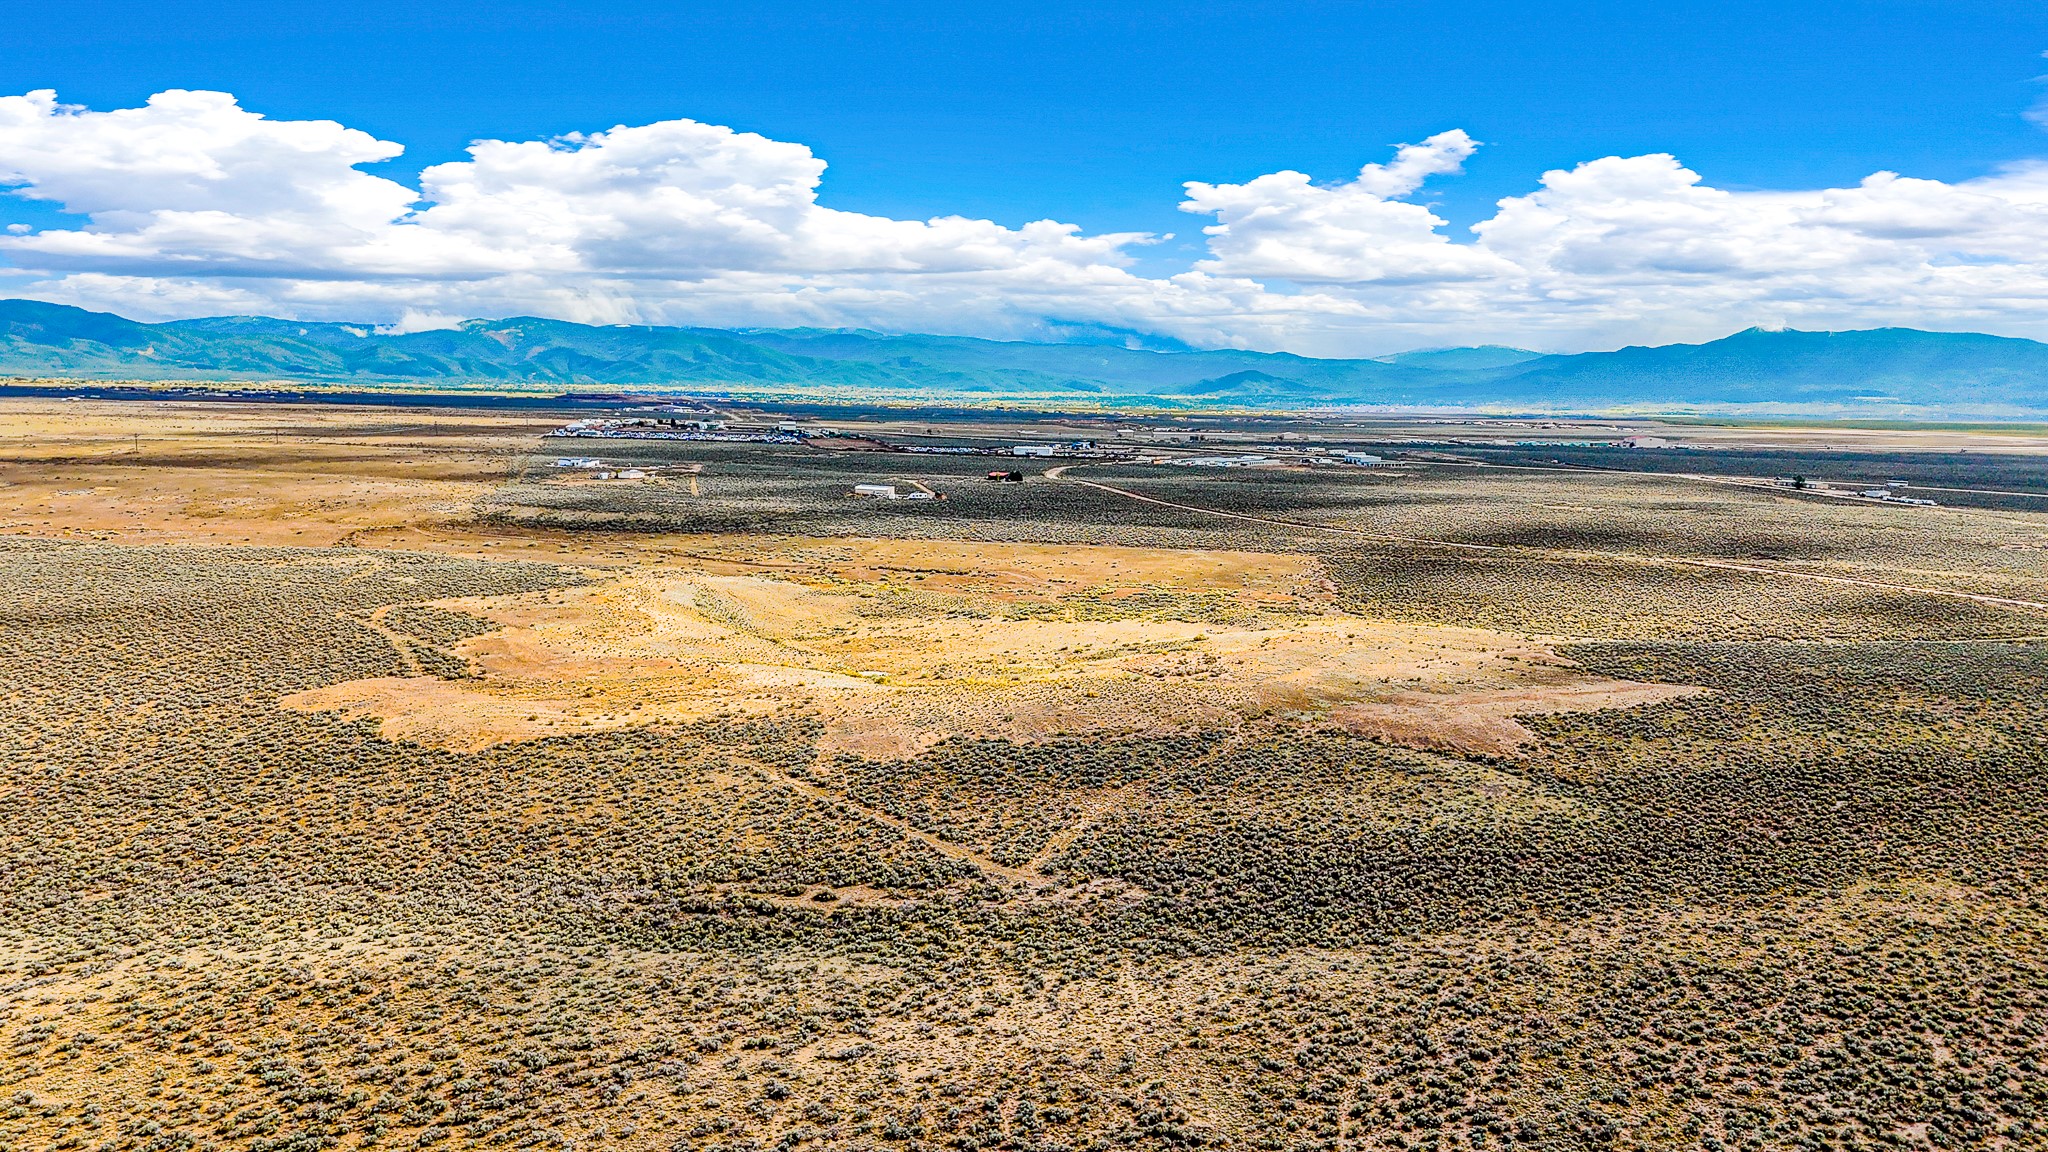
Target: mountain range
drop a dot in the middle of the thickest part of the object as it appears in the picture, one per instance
(1886, 371)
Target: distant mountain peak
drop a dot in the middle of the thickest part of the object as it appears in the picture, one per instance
(1893, 372)
(1479, 356)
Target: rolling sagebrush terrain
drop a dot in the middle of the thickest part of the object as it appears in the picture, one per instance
(375, 785)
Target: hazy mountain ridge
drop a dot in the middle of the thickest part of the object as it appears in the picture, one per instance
(1880, 369)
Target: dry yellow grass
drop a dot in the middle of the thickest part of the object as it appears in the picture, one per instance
(254, 474)
(830, 628)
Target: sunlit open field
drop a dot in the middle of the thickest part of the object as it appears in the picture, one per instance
(372, 781)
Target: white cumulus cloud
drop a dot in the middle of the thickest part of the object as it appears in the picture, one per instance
(192, 204)
(1642, 240)
(190, 179)
(1282, 226)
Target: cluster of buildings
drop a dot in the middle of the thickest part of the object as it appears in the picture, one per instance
(645, 428)
(597, 470)
(1254, 460)
(1068, 450)
(1893, 491)
(889, 492)
(1245, 461)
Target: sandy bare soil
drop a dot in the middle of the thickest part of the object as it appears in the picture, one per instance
(1485, 721)
(829, 627)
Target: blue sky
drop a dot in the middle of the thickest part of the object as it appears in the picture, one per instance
(1097, 114)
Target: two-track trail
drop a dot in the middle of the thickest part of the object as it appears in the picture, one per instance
(1032, 873)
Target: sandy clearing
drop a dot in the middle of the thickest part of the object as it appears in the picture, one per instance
(889, 677)
(1486, 722)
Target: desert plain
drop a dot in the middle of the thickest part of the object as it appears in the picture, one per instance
(376, 780)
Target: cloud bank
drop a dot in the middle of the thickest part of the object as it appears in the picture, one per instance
(193, 205)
